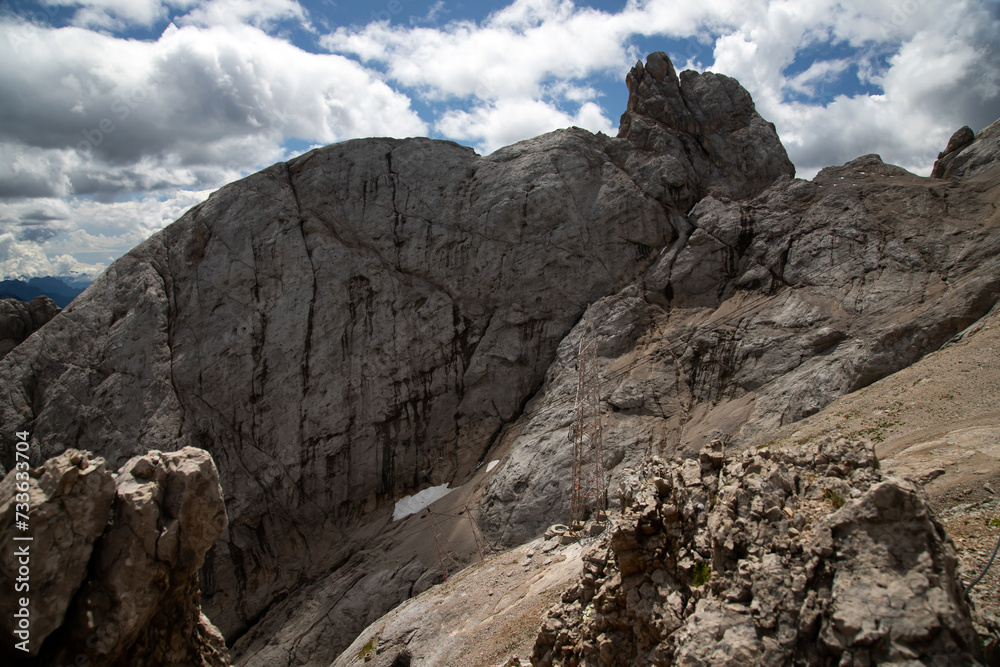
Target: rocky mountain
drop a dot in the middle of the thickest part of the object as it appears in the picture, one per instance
(19, 319)
(380, 316)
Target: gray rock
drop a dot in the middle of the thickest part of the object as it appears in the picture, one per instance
(362, 322)
(140, 603)
(383, 315)
(19, 319)
(114, 566)
(70, 503)
(697, 135)
(969, 155)
(765, 313)
(872, 582)
(962, 138)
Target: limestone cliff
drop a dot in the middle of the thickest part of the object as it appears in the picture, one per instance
(383, 315)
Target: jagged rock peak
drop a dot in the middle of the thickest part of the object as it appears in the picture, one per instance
(798, 555)
(114, 561)
(968, 153)
(707, 120)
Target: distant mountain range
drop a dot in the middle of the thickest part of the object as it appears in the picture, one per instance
(61, 289)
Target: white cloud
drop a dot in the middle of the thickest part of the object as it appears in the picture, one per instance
(89, 113)
(512, 54)
(258, 13)
(944, 72)
(23, 259)
(116, 14)
(507, 121)
(40, 236)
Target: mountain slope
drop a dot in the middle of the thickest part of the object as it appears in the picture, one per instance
(383, 315)
(360, 322)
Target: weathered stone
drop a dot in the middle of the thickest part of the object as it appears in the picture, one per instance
(962, 138)
(69, 501)
(383, 315)
(967, 156)
(362, 322)
(19, 319)
(770, 310)
(114, 566)
(885, 592)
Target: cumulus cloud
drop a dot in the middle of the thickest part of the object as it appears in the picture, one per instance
(50, 236)
(511, 54)
(88, 113)
(507, 121)
(119, 13)
(936, 62)
(943, 72)
(26, 259)
(259, 13)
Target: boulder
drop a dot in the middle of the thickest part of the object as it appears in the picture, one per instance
(114, 562)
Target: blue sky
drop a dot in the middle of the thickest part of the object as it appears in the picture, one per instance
(118, 115)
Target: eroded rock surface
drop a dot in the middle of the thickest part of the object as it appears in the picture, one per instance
(70, 500)
(799, 555)
(383, 315)
(763, 314)
(114, 562)
(19, 319)
(363, 321)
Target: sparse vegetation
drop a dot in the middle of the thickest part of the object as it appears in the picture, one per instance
(995, 522)
(368, 650)
(835, 498)
(702, 573)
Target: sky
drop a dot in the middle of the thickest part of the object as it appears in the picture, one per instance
(116, 116)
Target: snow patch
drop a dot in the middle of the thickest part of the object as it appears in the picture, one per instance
(491, 465)
(418, 501)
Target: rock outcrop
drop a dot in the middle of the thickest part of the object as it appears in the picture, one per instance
(113, 563)
(363, 321)
(18, 320)
(697, 135)
(804, 555)
(766, 312)
(383, 315)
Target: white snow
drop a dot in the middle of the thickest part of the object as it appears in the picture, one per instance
(491, 465)
(418, 501)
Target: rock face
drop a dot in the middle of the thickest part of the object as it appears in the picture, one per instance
(803, 555)
(70, 499)
(762, 314)
(363, 321)
(697, 135)
(959, 141)
(139, 541)
(383, 315)
(18, 320)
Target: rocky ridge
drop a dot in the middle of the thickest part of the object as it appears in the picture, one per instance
(383, 315)
(358, 323)
(789, 555)
(113, 560)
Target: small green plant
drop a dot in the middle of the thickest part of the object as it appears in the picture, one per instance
(702, 573)
(835, 498)
(995, 522)
(368, 650)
